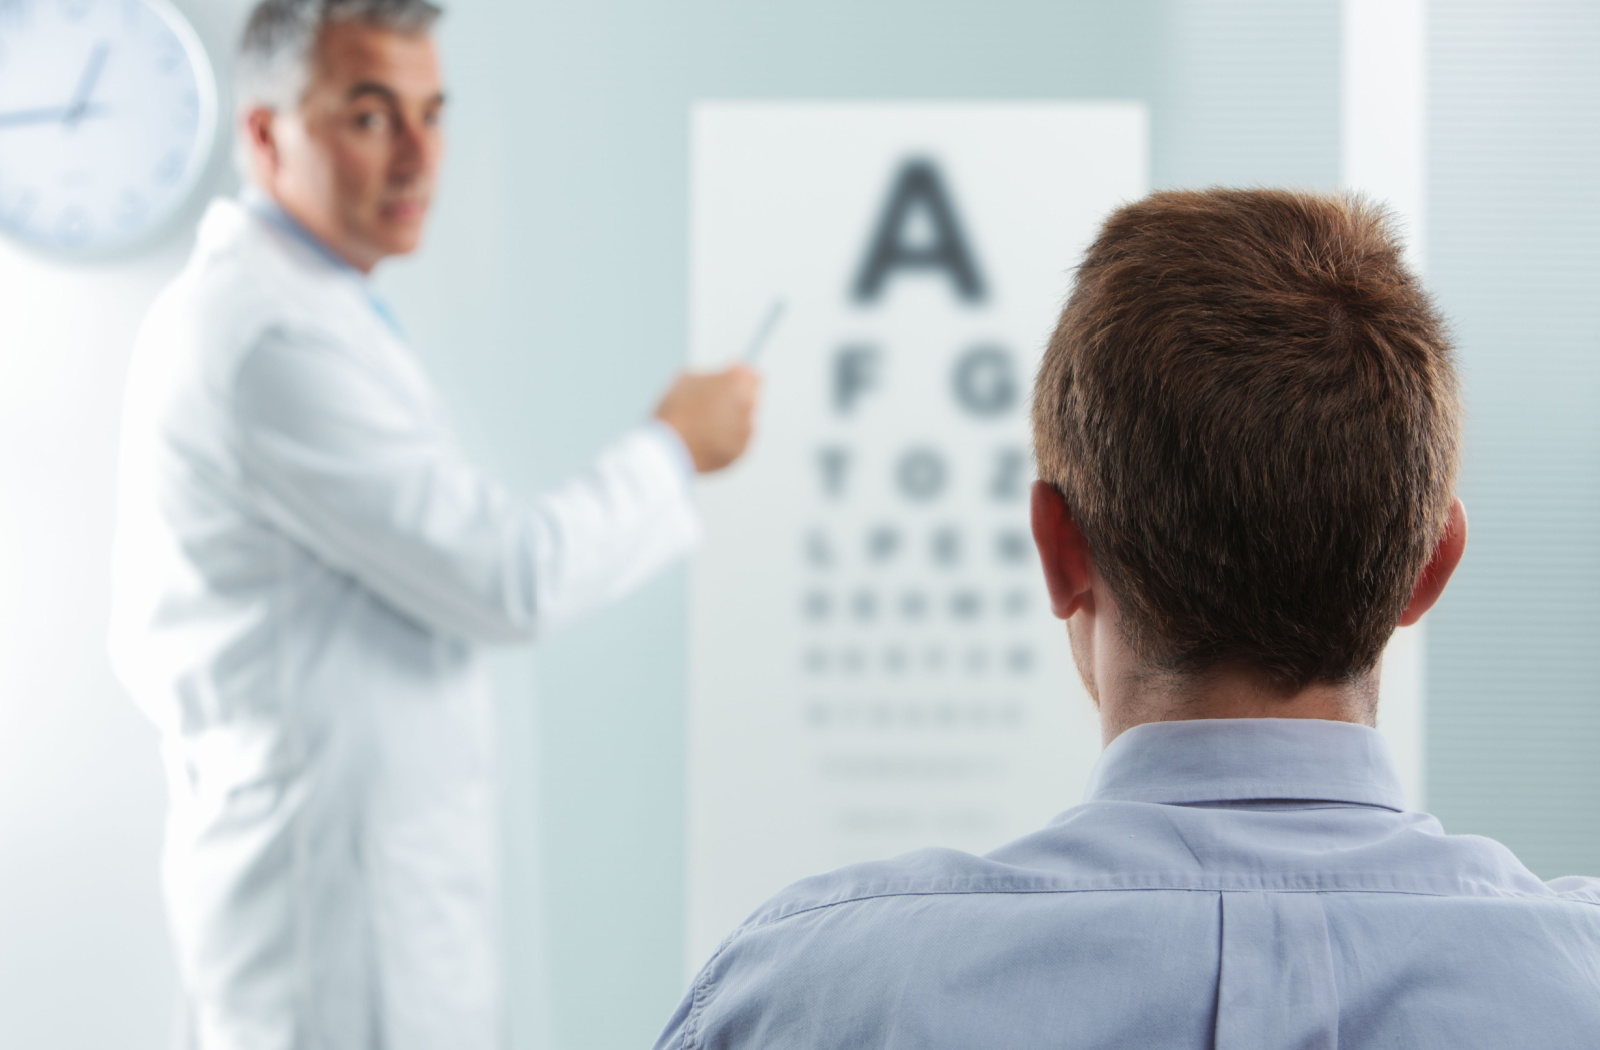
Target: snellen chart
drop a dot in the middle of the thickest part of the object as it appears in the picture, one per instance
(873, 666)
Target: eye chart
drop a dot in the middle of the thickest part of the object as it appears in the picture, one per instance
(873, 665)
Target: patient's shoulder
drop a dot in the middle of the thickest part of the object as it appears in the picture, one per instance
(922, 872)
(1576, 887)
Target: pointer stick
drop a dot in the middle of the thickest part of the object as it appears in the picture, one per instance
(753, 351)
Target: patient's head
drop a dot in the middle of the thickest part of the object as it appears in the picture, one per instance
(1249, 410)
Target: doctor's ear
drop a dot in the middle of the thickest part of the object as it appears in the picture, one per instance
(1063, 552)
(260, 141)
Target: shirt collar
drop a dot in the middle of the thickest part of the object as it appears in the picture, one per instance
(1236, 759)
(273, 214)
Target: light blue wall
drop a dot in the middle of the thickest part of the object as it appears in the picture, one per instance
(1514, 669)
(550, 305)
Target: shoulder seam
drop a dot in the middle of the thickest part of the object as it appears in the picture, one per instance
(701, 992)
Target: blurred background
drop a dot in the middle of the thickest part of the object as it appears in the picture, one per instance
(550, 305)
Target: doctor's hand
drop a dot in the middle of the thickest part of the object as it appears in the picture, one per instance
(711, 411)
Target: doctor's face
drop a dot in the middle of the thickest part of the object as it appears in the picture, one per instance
(357, 163)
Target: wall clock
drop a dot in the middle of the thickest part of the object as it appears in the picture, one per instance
(108, 110)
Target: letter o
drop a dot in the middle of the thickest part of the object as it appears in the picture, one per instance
(921, 473)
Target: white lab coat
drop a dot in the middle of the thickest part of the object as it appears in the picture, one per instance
(305, 569)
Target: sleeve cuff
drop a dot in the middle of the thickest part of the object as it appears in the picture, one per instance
(673, 446)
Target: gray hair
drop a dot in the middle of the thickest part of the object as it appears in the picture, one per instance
(274, 61)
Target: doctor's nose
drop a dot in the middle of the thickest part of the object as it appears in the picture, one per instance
(415, 153)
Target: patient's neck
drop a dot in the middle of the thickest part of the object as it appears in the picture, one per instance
(1229, 692)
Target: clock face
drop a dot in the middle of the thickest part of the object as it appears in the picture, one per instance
(107, 114)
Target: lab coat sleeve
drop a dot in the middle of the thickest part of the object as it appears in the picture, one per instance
(332, 453)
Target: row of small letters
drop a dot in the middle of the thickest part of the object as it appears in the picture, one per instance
(882, 545)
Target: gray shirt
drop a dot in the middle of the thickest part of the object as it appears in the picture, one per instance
(1250, 883)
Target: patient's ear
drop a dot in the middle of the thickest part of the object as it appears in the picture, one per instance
(1063, 552)
(1446, 556)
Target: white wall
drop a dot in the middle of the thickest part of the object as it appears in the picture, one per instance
(80, 794)
(83, 951)
(80, 790)
(1382, 153)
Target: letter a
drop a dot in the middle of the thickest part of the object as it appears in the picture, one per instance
(918, 187)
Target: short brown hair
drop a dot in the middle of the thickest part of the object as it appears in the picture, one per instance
(1250, 406)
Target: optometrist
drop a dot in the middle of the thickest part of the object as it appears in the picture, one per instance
(306, 569)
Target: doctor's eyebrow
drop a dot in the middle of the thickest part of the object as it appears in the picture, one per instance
(384, 91)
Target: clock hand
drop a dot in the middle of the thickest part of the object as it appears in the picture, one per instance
(86, 83)
(48, 115)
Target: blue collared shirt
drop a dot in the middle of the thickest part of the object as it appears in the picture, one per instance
(1250, 884)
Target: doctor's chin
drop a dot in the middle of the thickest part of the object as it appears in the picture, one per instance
(1002, 524)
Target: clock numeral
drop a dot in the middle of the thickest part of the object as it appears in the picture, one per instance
(18, 214)
(131, 208)
(170, 168)
(16, 14)
(188, 111)
(74, 227)
(171, 56)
